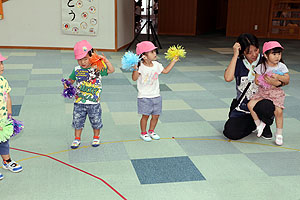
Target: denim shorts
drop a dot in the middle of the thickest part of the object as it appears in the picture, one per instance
(150, 106)
(4, 148)
(80, 112)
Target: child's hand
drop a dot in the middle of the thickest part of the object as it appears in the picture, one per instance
(275, 76)
(271, 80)
(103, 58)
(135, 68)
(65, 86)
(175, 59)
(1, 129)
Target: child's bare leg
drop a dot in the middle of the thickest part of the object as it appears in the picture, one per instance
(153, 122)
(278, 117)
(279, 125)
(143, 123)
(78, 133)
(96, 133)
(259, 124)
(5, 157)
(251, 105)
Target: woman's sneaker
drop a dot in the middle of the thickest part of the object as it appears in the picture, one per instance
(12, 166)
(146, 137)
(1, 176)
(154, 136)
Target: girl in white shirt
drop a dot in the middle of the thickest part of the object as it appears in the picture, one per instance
(149, 99)
(271, 66)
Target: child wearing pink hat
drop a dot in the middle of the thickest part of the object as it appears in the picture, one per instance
(5, 102)
(88, 90)
(274, 73)
(149, 100)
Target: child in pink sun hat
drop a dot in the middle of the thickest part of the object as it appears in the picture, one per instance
(5, 133)
(88, 90)
(274, 73)
(149, 100)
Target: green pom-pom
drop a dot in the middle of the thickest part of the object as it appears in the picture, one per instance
(7, 130)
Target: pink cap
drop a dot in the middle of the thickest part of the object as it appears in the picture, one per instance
(81, 48)
(144, 46)
(271, 45)
(2, 58)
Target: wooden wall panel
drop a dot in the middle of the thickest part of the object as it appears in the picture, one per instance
(243, 15)
(1, 10)
(177, 17)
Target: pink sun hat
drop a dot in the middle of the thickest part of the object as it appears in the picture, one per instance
(144, 46)
(2, 58)
(81, 48)
(271, 45)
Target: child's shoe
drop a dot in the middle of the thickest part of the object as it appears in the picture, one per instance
(1, 176)
(154, 135)
(96, 142)
(278, 139)
(75, 144)
(146, 137)
(12, 166)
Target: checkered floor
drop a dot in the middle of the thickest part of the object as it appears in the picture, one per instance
(192, 160)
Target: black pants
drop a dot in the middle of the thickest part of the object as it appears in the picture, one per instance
(239, 127)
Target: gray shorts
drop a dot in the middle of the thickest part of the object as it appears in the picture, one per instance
(150, 106)
(4, 148)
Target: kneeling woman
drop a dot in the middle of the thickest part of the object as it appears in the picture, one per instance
(245, 58)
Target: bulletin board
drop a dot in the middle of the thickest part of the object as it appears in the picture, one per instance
(80, 17)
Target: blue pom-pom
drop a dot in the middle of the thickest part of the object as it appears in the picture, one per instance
(129, 60)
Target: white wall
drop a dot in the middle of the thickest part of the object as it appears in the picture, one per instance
(125, 20)
(37, 23)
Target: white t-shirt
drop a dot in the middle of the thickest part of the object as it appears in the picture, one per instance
(147, 82)
(280, 67)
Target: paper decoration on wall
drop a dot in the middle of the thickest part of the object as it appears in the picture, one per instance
(80, 17)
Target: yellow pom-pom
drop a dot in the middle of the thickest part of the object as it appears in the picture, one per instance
(175, 52)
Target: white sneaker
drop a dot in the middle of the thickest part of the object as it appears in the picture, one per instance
(154, 136)
(1, 176)
(279, 140)
(96, 142)
(12, 166)
(145, 137)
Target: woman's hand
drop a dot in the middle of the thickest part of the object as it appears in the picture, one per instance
(1, 129)
(236, 48)
(229, 72)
